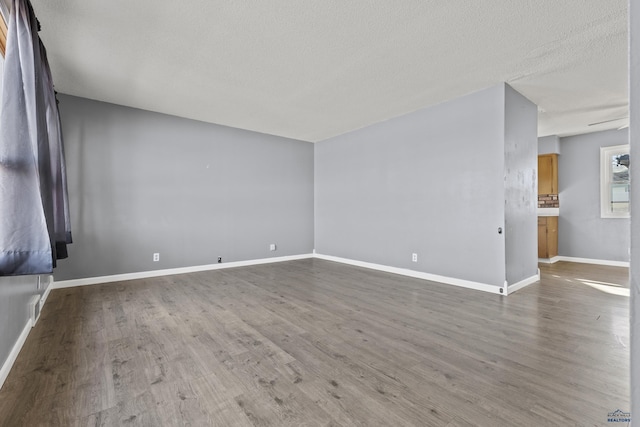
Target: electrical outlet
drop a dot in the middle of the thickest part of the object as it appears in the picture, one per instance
(414, 257)
(219, 259)
(156, 257)
(272, 247)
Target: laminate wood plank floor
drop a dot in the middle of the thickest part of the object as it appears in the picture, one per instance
(317, 343)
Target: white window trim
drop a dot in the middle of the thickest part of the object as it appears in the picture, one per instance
(605, 173)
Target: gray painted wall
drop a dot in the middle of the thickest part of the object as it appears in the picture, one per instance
(581, 231)
(521, 188)
(429, 182)
(142, 182)
(634, 88)
(15, 293)
(549, 144)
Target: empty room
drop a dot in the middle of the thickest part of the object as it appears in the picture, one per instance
(311, 213)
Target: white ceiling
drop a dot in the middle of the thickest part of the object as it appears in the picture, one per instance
(312, 69)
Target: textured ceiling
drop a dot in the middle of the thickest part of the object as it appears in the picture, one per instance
(314, 69)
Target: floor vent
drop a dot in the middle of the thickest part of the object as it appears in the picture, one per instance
(34, 309)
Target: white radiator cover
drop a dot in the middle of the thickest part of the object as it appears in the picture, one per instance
(34, 309)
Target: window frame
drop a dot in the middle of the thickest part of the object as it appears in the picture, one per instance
(3, 33)
(605, 184)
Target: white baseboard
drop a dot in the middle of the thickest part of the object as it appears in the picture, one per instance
(417, 274)
(13, 355)
(521, 284)
(157, 273)
(592, 261)
(505, 290)
(171, 271)
(551, 260)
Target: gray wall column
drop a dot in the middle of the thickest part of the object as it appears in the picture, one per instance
(521, 188)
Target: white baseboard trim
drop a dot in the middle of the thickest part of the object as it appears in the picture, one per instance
(13, 355)
(505, 290)
(171, 271)
(551, 260)
(417, 274)
(593, 261)
(521, 284)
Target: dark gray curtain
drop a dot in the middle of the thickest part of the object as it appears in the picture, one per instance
(34, 211)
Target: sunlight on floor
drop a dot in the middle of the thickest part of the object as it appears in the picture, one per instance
(610, 288)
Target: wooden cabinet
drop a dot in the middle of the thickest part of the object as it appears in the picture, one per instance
(548, 174)
(547, 236)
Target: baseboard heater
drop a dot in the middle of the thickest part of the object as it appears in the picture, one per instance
(34, 309)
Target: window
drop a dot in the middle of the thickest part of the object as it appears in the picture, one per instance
(614, 181)
(3, 33)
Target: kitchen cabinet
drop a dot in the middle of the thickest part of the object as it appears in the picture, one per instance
(547, 236)
(548, 174)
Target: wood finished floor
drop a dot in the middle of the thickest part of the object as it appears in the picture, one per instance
(316, 343)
